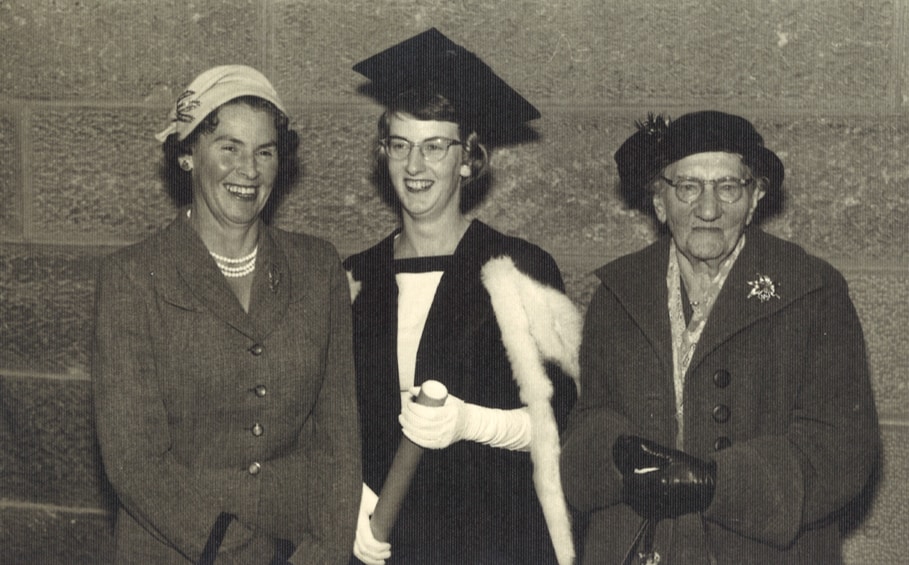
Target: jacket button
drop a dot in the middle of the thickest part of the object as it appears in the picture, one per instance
(257, 349)
(257, 429)
(721, 413)
(254, 468)
(721, 378)
(260, 390)
(721, 443)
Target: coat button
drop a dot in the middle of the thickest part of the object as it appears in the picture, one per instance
(260, 390)
(257, 429)
(722, 378)
(254, 468)
(721, 413)
(257, 349)
(721, 443)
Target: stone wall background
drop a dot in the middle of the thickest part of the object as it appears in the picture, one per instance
(84, 85)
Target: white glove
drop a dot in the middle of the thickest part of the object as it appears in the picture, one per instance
(437, 427)
(432, 427)
(366, 547)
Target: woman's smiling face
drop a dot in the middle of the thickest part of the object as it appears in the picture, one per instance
(234, 167)
(427, 190)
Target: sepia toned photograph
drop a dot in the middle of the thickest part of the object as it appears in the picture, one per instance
(526, 282)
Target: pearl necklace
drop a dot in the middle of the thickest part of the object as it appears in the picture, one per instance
(235, 268)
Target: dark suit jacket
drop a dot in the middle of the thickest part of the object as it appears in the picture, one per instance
(777, 394)
(468, 503)
(202, 408)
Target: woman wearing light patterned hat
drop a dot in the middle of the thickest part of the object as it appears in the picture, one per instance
(222, 375)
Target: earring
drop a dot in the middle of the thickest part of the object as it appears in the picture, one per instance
(186, 165)
(465, 170)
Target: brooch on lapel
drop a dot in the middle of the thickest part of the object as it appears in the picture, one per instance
(763, 288)
(274, 278)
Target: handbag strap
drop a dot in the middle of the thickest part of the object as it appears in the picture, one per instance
(218, 531)
(646, 533)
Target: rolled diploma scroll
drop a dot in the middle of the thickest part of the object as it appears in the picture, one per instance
(432, 393)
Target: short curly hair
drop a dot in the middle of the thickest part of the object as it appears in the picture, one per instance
(427, 104)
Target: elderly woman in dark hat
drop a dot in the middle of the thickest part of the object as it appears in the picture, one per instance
(726, 414)
(222, 371)
(447, 298)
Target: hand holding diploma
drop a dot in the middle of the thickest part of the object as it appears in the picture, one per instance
(432, 393)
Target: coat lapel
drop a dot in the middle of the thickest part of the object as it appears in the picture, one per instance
(639, 283)
(735, 310)
(272, 285)
(200, 274)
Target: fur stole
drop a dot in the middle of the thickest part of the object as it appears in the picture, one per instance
(538, 323)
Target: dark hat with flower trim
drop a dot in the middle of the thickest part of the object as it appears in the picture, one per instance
(659, 142)
(430, 59)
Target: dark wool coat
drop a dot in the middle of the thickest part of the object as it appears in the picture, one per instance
(468, 503)
(202, 408)
(777, 394)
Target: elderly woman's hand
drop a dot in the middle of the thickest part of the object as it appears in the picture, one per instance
(660, 482)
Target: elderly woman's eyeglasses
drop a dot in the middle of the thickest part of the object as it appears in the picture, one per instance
(433, 150)
(727, 189)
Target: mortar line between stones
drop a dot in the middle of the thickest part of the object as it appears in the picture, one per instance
(74, 377)
(52, 508)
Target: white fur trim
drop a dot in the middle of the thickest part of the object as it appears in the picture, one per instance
(538, 322)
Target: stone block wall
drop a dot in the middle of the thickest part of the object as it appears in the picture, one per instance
(85, 84)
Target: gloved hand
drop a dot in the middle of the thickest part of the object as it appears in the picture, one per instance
(366, 547)
(433, 427)
(660, 482)
(437, 427)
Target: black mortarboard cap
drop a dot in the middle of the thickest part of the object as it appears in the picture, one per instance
(430, 58)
